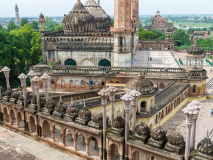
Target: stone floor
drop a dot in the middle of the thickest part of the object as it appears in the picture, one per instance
(159, 59)
(17, 147)
(204, 123)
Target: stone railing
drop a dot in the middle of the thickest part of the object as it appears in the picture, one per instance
(175, 73)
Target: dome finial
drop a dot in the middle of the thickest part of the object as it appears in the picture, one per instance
(72, 101)
(85, 104)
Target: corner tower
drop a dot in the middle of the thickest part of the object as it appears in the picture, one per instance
(122, 31)
(17, 14)
(42, 30)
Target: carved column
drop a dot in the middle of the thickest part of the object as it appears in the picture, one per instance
(135, 94)
(100, 153)
(197, 105)
(87, 148)
(112, 90)
(108, 155)
(75, 144)
(53, 135)
(127, 98)
(6, 72)
(63, 139)
(104, 95)
(189, 111)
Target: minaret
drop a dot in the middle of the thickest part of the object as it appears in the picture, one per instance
(42, 29)
(122, 31)
(17, 14)
(136, 22)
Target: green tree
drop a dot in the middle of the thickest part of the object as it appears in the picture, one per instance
(147, 35)
(58, 28)
(51, 25)
(23, 22)
(207, 44)
(11, 26)
(34, 25)
(181, 37)
(191, 30)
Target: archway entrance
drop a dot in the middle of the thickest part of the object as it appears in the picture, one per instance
(70, 62)
(104, 63)
(143, 106)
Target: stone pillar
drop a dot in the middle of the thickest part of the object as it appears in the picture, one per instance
(87, 148)
(197, 105)
(104, 95)
(127, 98)
(135, 94)
(75, 144)
(53, 135)
(63, 139)
(100, 153)
(45, 79)
(17, 122)
(108, 155)
(189, 111)
(6, 72)
(112, 90)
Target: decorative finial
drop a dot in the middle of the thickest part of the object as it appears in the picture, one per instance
(72, 101)
(99, 2)
(158, 121)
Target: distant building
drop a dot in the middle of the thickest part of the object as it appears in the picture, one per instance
(17, 14)
(199, 34)
(159, 23)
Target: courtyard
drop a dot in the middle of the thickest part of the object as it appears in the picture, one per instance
(204, 122)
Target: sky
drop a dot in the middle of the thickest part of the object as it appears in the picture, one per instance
(32, 8)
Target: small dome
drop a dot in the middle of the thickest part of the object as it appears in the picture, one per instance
(119, 122)
(15, 94)
(195, 49)
(41, 16)
(140, 84)
(158, 134)
(8, 92)
(97, 118)
(175, 139)
(50, 104)
(79, 20)
(142, 129)
(61, 107)
(205, 147)
(95, 9)
(84, 113)
(71, 110)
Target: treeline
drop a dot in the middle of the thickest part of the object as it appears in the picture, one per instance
(154, 34)
(20, 48)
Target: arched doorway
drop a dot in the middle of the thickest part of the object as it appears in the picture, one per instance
(70, 62)
(143, 106)
(114, 153)
(5, 115)
(46, 130)
(32, 126)
(104, 63)
(194, 89)
(93, 147)
(57, 133)
(161, 87)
